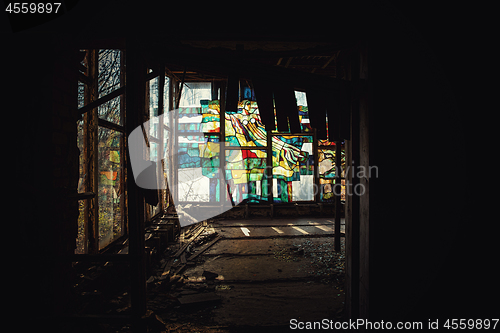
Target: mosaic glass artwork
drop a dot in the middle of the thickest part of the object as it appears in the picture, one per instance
(244, 127)
(304, 119)
(198, 173)
(199, 164)
(293, 158)
(301, 99)
(210, 113)
(245, 175)
(198, 153)
(326, 171)
(326, 143)
(293, 168)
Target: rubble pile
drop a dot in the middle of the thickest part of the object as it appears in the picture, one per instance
(325, 263)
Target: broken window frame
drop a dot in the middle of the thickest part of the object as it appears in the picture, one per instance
(92, 122)
(159, 79)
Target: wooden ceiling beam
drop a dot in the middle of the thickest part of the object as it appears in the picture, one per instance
(223, 66)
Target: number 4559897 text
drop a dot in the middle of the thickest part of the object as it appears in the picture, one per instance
(32, 7)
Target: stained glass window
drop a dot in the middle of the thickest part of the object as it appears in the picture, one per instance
(198, 153)
(244, 128)
(210, 121)
(245, 175)
(244, 166)
(326, 170)
(198, 173)
(300, 96)
(293, 168)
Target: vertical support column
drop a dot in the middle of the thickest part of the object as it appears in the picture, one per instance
(317, 185)
(136, 91)
(161, 178)
(92, 150)
(364, 188)
(171, 133)
(175, 142)
(123, 143)
(357, 226)
(222, 145)
(337, 192)
(352, 227)
(269, 169)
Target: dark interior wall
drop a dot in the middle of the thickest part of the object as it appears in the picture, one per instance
(43, 112)
(430, 254)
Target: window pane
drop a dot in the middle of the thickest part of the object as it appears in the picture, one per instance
(109, 71)
(303, 111)
(194, 92)
(244, 128)
(198, 168)
(210, 113)
(153, 97)
(81, 94)
(293, 168)
(111, 111)
(326, 170)
(245, 175)
(300, 96)
(189, 119)
(110, 190)
(166, 164)
(166, 101)
(109, 79)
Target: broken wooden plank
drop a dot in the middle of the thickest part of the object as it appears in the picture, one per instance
(168, 266)
(205, 247)
(180, 269)
(183, 248)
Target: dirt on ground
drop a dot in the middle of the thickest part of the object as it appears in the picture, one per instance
(252, 285)
(224, 284)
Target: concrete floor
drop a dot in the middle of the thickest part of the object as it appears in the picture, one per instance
(276, 227)
(271, 271)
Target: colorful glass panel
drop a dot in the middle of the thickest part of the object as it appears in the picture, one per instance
(198, 163)
(210, 121)
(245, 175)
(244, 128)
(293, 168)
(326, 171)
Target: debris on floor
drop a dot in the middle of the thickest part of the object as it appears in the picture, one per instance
(188, 287)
